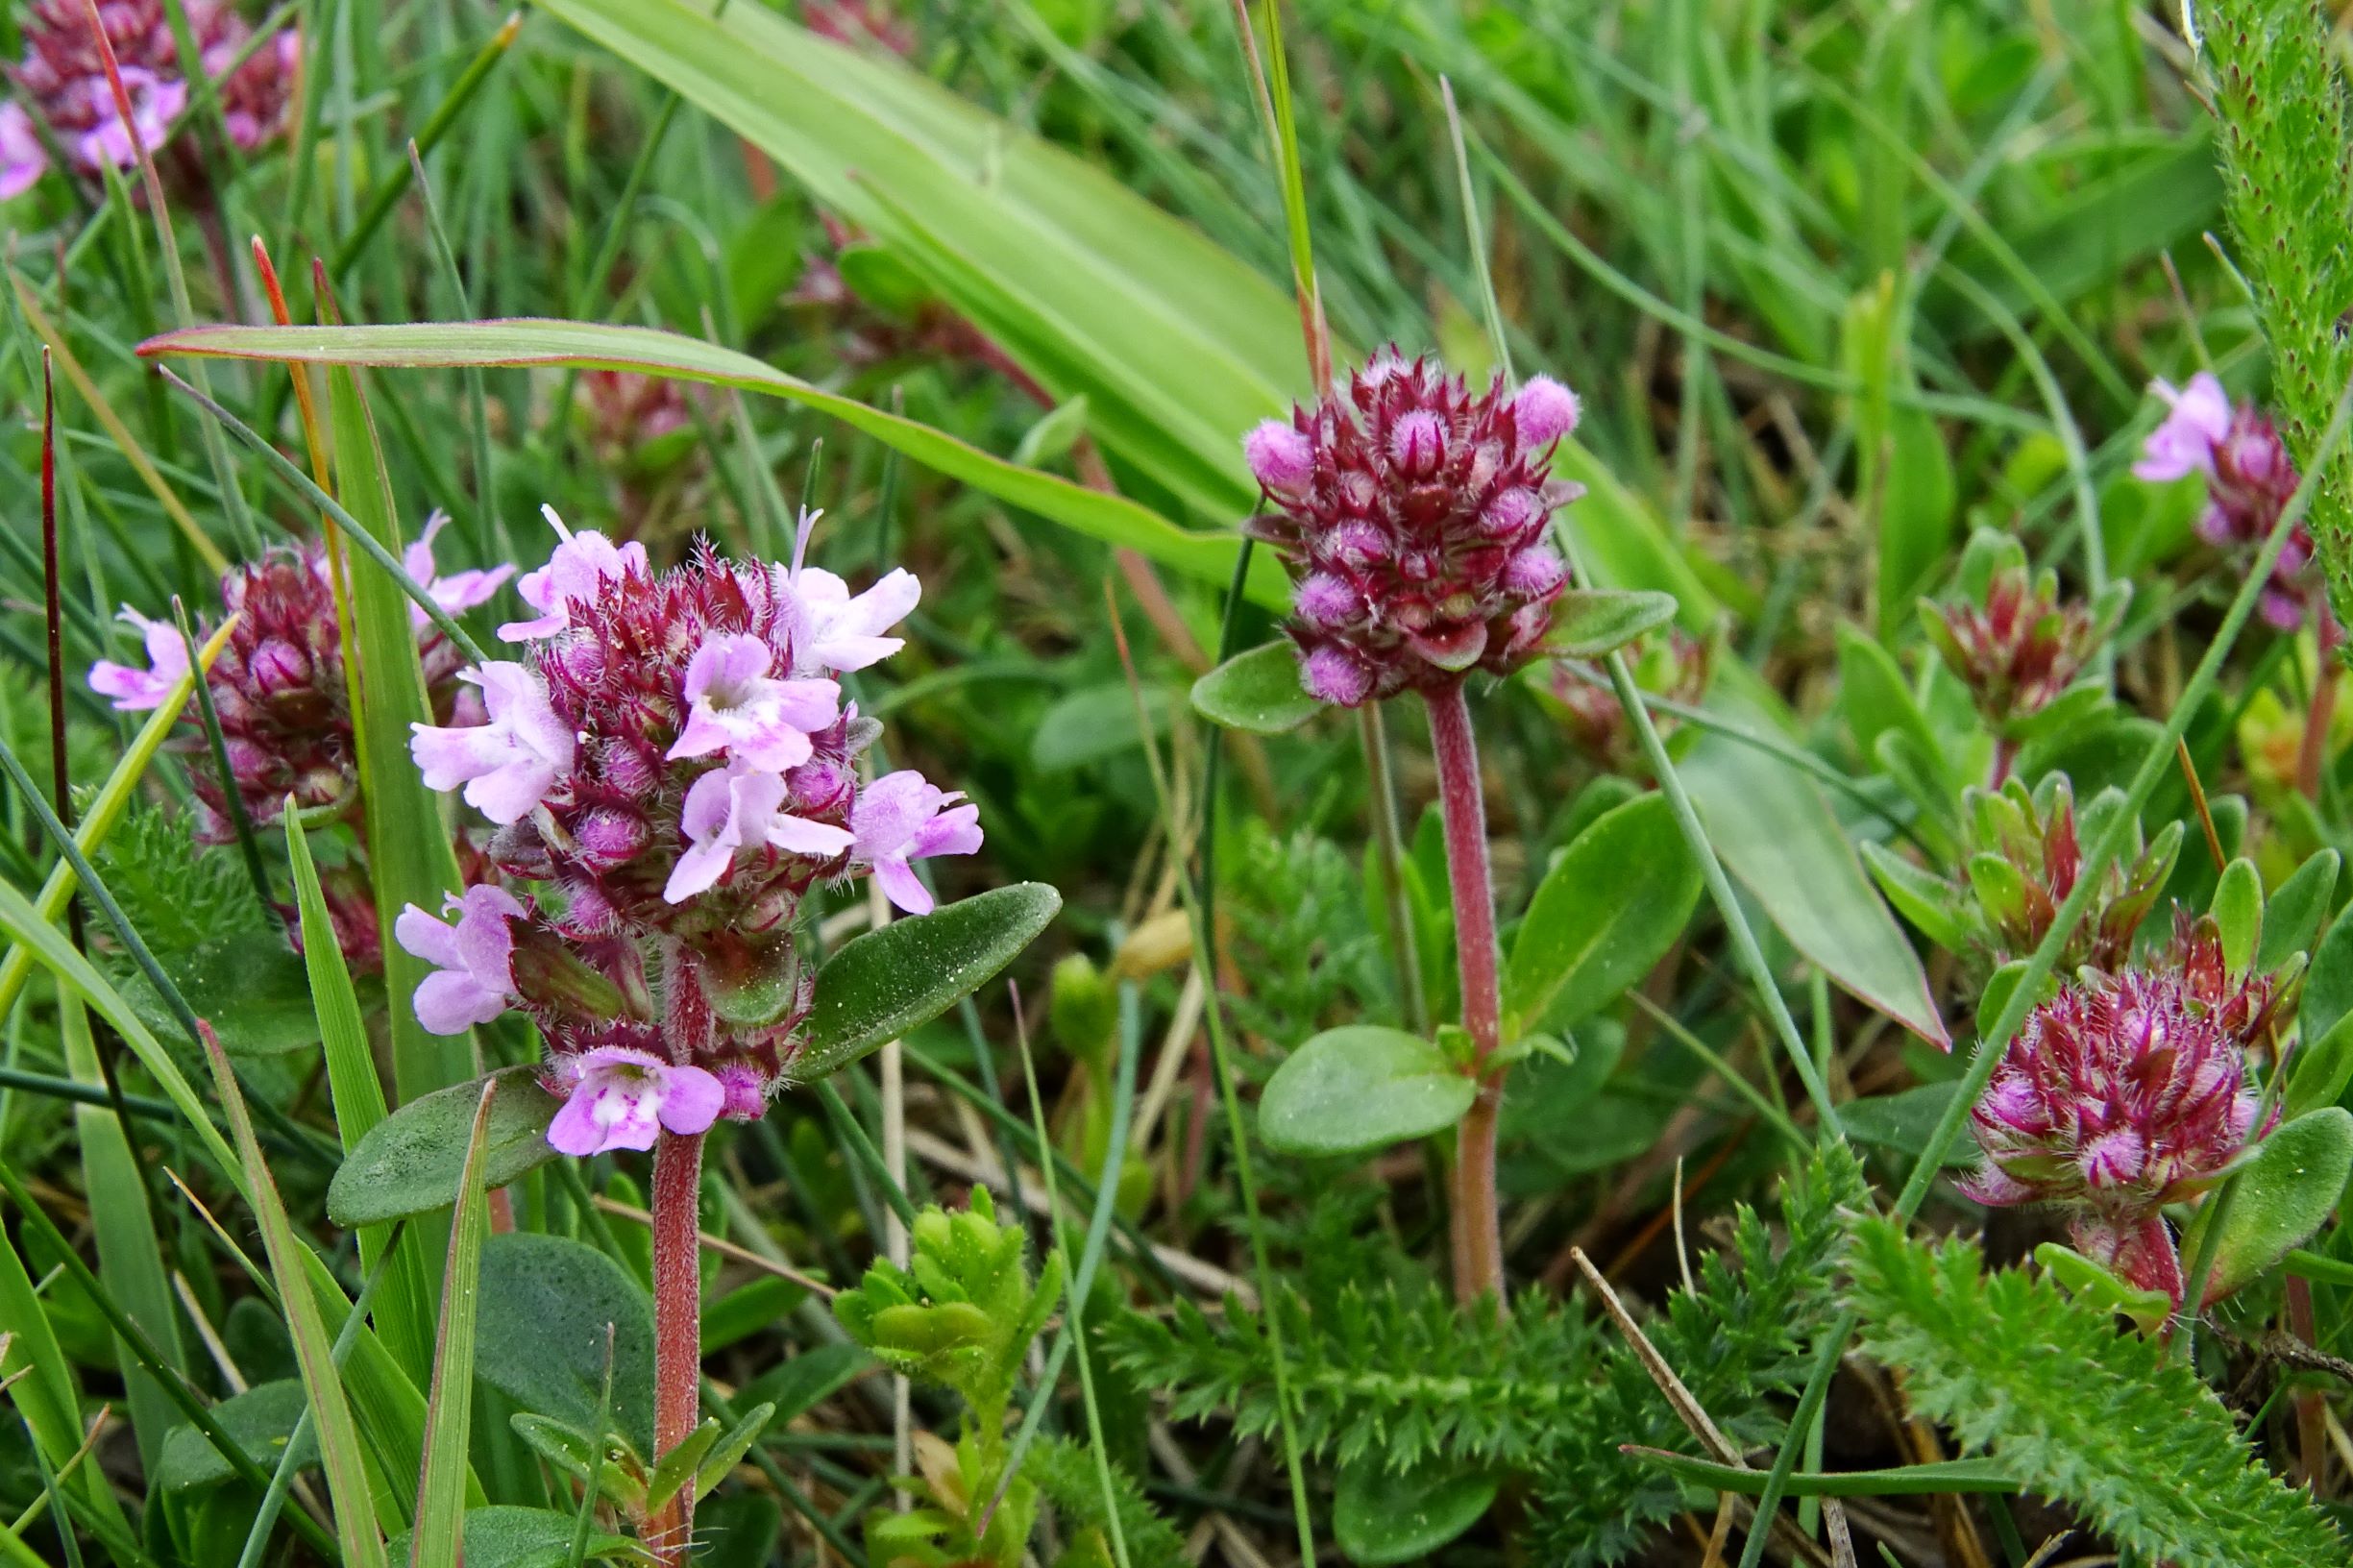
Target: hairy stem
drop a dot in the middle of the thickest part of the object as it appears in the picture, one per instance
(677, 1329)
(1479, 1245)
(2312, 755)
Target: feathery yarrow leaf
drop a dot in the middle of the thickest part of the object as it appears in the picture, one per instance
(2072, 1410)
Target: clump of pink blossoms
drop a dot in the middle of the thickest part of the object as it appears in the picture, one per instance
(282, 697)
(61, 83)
(2124, 1094)
(2250, 481)
(1411, 514)
(672, 769)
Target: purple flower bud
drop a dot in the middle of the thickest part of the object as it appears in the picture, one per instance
(1534, 572)
(1417, 443)
(1279, 456)
(277, 667)
(608, 836)
(745, 1088)
(1332, 676)
(1324, 599)
(1544, 412)
(1511, 513)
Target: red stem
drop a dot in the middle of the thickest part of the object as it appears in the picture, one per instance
(1478, 1245)
(2312, 755)
(677, 1329)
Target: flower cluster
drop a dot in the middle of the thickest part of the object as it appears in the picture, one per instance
(1411, 515)
(2026, 856)
(2249, 480)
(2021, 646)
(672, 767)
(61, 84)
(2125, 1092)
(280, 687)
(1676, 666)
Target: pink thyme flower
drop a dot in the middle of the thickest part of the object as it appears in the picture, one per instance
(508, 764)
(138, 691)
(726, 812)
(62, 81)
(1412, 516)
(582, 564)
(477, 957)
(23, 160)
(2121, 1094)
(2198, 418)
(459, 591)
(619, 1098)
(835, 631)
(901, 817)
(2249, 480)
(737, 708)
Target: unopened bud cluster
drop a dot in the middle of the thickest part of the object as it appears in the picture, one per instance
(1411, 515)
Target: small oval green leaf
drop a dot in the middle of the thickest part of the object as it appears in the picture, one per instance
(2292, 915)
(1611, 906)
(2238, 910)
(1383, 1518)
(2285, 1194)
(886, 982)
(1258, 691)
(409, 1162)
(1354, 1090)
(1588, 622)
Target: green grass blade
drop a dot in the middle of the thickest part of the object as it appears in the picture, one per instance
(129, 1261)
(441, 1499)
(41, 1384)
(1111, 519)
(411, 859)
(406, 1316)
(339, 1452)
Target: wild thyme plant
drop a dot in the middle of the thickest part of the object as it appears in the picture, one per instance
(1413, 518)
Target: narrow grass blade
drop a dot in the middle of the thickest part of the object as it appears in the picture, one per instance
(406, 1316)
(339, 1454)
(41, 1384)
(1113, 519)
(412, 862)
(441, 1498)
(129, 1261)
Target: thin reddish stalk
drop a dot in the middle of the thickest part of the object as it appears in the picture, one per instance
(677, 1329)
(2312, 755)
(1478, 1245)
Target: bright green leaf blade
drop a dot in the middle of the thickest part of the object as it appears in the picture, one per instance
(410, 858)
(254, 990)
(1111, 519)
(506, 1536)
(441, 1499)
(41, 1384)
(1588, 622)
(1611, 906)
(1258, 691)
(886, 982)
(2286, 1193)
(410, 1163)
(547, 1301)
(2292, 915)
(1778, 836)
(362, 1543)
(1383, 1517)
(129, 1261)
(1354, 1090)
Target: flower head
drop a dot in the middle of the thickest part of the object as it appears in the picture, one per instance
(619, 1098)
(63, 83)
(2122, 1093)
(1411, 515)
(2021, 646)
(673, 771)
(2249, 480)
